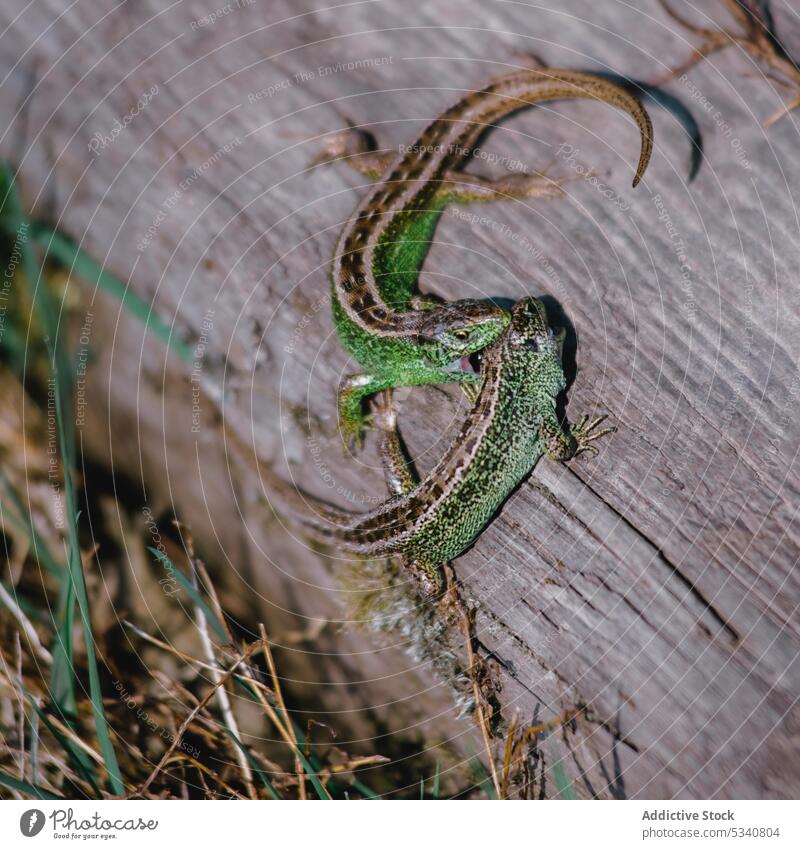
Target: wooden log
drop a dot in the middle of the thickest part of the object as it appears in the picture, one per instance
(655, 584)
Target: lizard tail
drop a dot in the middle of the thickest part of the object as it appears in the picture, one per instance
(513, 91)
(323, 522)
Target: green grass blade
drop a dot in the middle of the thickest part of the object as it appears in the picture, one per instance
(12, 350)
(40, 549)
(10, 207)
(79, 583)
(309, 770)
(436, 775)
(24, 787)
(79, 759)
(482, 777)
(61, 675)
(312, 776)
(49, 316)
(34, 745)
(14, 222)
(219, 629)
(65, 251)
(560, 777)
(62, 672)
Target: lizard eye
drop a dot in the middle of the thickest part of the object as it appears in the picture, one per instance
(532, 344)
(461, 335)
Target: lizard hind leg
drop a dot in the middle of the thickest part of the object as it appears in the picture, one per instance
(401, 480)
(427, 576)
(398, 470)
(461, 187)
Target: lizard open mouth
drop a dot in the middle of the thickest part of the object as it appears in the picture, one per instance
(468, 365)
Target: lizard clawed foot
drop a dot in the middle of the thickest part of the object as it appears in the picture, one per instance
(585, 433)
(538, 184)
(353, 392)
(353, 425)
(754, 36)
(428, 578)
(382, 417)
(354, 431)
(356, 147)
(348, 142)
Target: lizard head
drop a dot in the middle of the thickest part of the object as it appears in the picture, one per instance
(538, 348)
(456, 330)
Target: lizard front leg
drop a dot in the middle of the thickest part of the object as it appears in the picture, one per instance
(560, 444)
(355, 388)
(586, 433)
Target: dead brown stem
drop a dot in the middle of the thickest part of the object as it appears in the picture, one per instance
(185, 724)
(474, 664)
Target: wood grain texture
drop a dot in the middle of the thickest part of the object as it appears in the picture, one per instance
(657, 583)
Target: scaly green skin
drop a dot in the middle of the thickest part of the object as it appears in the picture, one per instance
(400, 339)
(512, 424)
(432, 353)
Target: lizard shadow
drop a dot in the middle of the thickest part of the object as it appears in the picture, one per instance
(558, 319)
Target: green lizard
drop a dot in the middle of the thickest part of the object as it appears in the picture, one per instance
(399, 337)
(512, 424)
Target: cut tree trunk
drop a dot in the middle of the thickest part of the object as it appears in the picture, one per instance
(654, 584)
